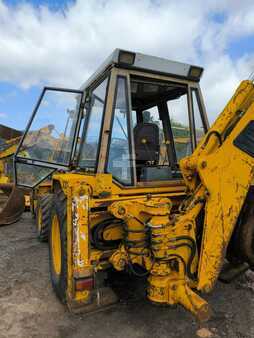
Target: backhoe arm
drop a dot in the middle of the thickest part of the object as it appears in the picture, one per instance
(177, 250)
(221, 172)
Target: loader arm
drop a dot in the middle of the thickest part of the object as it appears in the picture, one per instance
(220, 171)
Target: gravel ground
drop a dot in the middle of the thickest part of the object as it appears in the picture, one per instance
(28, 307)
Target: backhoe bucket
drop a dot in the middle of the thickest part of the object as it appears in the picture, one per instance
(12, 203)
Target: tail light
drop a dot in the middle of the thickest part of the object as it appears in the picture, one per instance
(82, 284)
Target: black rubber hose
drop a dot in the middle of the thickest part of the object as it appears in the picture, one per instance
(193, 249)
(97, 239)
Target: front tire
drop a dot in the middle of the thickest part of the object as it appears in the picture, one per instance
(43, 216)
(58, 246)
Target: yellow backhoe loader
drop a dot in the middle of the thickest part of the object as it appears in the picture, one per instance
(12, 201)
(129, 195)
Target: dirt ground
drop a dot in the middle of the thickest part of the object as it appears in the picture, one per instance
(28, 307)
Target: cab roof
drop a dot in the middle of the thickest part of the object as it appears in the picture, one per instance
(147, 63)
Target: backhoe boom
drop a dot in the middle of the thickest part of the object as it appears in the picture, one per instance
(222, 166)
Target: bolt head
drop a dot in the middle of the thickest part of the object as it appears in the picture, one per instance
(121, 210)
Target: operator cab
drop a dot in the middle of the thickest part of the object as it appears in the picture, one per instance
(135, 118)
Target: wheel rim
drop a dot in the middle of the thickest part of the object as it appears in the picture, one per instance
(39, 220)
(56, 245)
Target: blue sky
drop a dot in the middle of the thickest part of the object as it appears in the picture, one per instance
(62, 42)
(52, 4)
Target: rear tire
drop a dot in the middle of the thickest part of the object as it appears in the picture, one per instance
(241, 247)
(58, 246)
(43, 216)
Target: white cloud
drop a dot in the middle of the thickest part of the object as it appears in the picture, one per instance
(40, 46)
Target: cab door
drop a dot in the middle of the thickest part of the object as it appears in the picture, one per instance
(50, 138)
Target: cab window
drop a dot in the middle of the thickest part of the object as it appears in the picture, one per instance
(92, 126)
(200, 130)
(179, 117)
(161, 129)
(119, 156)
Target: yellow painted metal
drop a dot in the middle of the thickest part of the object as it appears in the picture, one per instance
(6, 153)
(79, 189)
(70, 289)
(173, 289)
(4, 179)
(39, 219)
(139, 212)
(173, 188)
(103, 185)
(226, 174)
(27, 201)
(157, 235)
(78, 253)
(13, 202)
(171, 248)
(10, 148)
(113, 232)
(233, 176)
(56, 245)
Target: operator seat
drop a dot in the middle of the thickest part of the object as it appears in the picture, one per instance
(147, 149)
(147, 143)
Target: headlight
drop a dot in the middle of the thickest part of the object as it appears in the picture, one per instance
(126, 58)
(195, 73)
